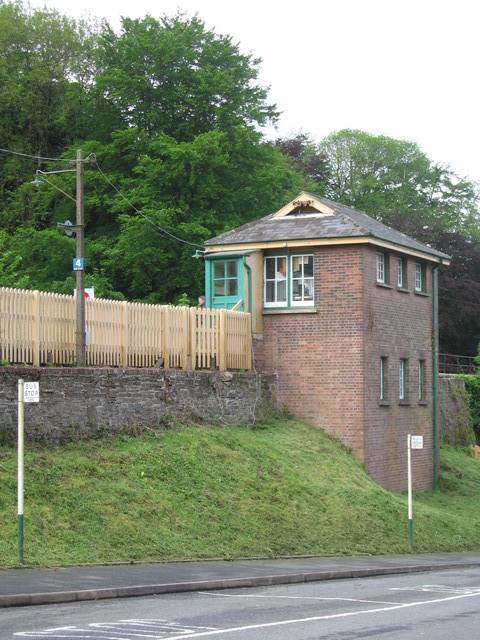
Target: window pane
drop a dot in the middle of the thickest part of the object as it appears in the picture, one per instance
(308, 267)
(380, 267)
(418, 276)
(231, 269)
(308, 288)
(270, 268)
(382, 378)
(219, 287)
(421, 379)
(275, 280)
(402, 379)
(296, 266)
(270, 292)
(232, 287)
(219, 270)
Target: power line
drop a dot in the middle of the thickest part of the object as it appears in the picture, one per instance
(94, 161)
(27, 155)
(154, 224)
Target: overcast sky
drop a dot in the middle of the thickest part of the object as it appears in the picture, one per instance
(408, 69)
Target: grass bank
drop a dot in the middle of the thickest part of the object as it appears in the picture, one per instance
(217, 492)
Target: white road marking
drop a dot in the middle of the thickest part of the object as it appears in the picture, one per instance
(349, 614)
(439, 588)
(164, 629)
(150, 629)
(234, 595)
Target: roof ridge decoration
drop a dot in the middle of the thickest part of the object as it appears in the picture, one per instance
(304, 199)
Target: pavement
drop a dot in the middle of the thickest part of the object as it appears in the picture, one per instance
(23, 587)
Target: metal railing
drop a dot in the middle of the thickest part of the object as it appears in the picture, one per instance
(449, 363)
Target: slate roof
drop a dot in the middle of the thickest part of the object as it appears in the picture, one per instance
(344, 222)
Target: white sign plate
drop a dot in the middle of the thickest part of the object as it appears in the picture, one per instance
(416, 442)
(31, 392)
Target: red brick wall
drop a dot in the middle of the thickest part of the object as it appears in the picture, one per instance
(398, 324)
(319, 357)
(328, 363)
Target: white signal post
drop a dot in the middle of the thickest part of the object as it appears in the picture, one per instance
(413, 442)
(20, 471)
(27, 392)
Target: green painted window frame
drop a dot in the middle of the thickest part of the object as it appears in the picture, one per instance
(421, 380)
(383, 378)
(402, 379)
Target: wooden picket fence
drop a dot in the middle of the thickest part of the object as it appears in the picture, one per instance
(38, 328)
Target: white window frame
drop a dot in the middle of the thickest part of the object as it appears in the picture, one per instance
(381, 268)
(277, 280)
(419, 277)
(401, 273)
(303, 282)
(306, 283)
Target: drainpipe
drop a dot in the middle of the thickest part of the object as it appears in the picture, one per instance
(249, 271)
(435, 374)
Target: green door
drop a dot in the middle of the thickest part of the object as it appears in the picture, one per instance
(225, 285)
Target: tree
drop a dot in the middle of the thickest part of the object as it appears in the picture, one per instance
(308, 160)
(395, 182)
(459, 293)
(173, 76)
(178, 195)
(46, 68)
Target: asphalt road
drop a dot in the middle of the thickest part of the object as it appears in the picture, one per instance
(437, 605)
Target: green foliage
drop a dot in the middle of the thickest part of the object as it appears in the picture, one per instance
(181, 491)
(171, 112)
(396, 183)
(174, 113)
(311, 163)
(173, 76)
(472, 388)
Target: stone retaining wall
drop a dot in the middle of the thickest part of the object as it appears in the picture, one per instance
(454, 423)
(86, 403)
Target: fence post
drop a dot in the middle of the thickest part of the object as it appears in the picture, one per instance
(165, 345)
(222, 341)
(185, 338)
(36, 328)
(125, 331)
(249, 344)
(193, 338)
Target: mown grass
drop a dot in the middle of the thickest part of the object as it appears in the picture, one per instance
(196, 492)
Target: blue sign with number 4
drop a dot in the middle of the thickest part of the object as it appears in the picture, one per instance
(78, 264)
